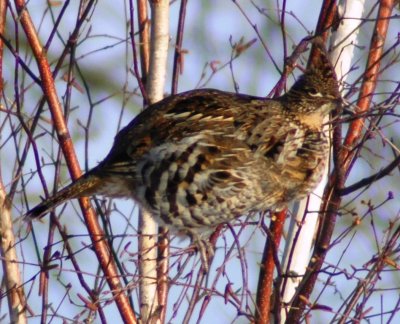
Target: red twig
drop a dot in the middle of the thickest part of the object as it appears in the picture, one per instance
(100, 246)
(141, 80)
(144, 38)
(264, 290)
(3, 7)
(70, 43)
(178, 57)
(326, 19)
(162, 273)
(369, 82)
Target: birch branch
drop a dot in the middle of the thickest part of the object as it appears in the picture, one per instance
(15, 293)
(306, 216)
(147, 226)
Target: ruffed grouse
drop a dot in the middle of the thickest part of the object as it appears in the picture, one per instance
(204, 157)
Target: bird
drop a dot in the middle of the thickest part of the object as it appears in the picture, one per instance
(205, 157)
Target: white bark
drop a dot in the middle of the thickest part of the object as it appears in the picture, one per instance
(302, 229)
(155, 90)
(15, 293)
(158, 49)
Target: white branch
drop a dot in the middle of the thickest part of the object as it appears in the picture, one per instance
(15, 293)
(158, 49)
(302, 229)
(147, 226)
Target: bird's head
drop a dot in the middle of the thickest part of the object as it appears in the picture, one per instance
(316, 92)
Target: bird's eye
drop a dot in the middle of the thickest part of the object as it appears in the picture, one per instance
(314, 92)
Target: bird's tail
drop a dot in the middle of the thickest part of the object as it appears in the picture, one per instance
(87, 185)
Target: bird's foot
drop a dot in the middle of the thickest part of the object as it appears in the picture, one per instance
(206, 250)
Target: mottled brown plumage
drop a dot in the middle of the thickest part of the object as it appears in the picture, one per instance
(204, 157)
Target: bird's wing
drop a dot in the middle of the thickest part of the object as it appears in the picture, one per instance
(210, 112)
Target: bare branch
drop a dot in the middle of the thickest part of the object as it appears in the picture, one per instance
(147, 225)
(13, 281)
(48, 86)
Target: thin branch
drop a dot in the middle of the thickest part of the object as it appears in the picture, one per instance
(144, 38)
(178, 56)
(142, 85)
(162, 273)
(365, 286)
(19, 59)
(100, 246)
(371, 179)
(71, 41)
